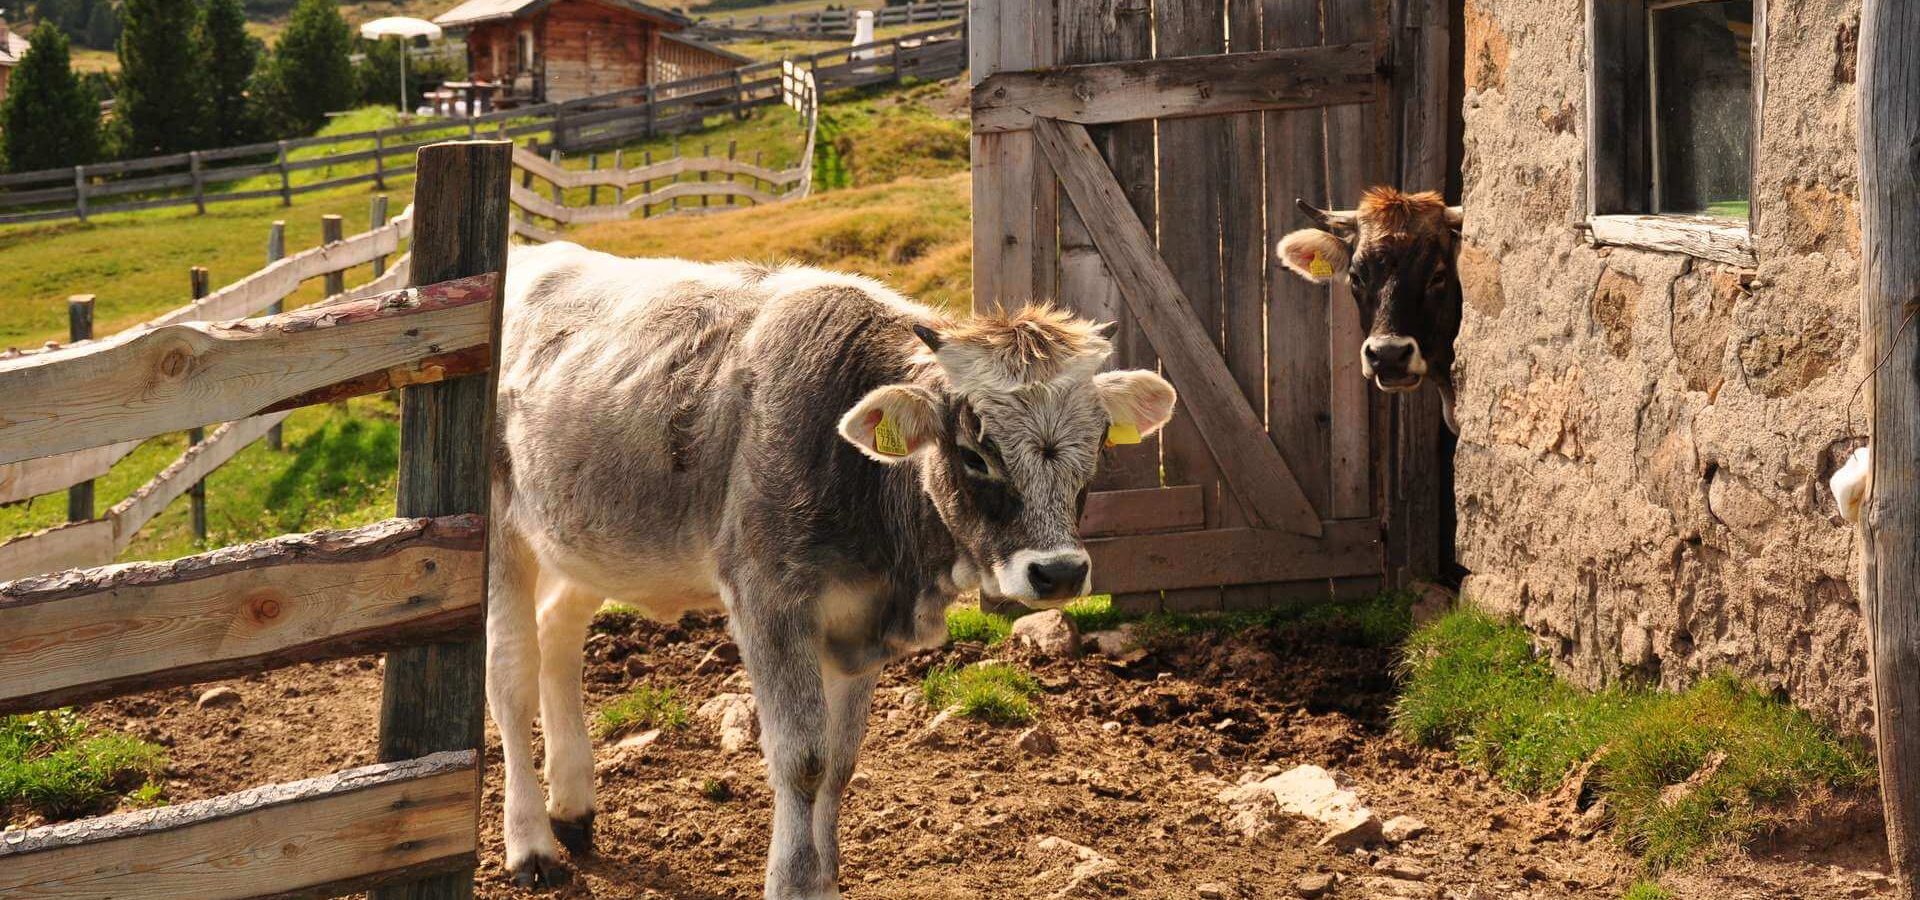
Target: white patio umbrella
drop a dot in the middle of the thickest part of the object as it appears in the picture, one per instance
(405, 29)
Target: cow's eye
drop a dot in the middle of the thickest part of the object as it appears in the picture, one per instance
(1439, 280)
(974, 462)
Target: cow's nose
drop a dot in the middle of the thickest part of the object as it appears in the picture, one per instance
(1389, 353)
(1057, 578)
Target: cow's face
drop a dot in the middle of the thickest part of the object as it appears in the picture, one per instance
(1007, 441)
(1396, 253)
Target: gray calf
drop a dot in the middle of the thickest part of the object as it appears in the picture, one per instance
(826, 460)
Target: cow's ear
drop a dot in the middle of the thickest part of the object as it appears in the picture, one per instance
(1314, 255)
(892, 423)
(1136, 399)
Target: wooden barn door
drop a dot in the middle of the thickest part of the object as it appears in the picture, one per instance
(1137, 162)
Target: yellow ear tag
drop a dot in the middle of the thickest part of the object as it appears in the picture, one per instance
(1122, 433)
(1319, 267)
(887, 438)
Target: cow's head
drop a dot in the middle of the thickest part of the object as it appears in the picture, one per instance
(1006, 429)
(1396, 252)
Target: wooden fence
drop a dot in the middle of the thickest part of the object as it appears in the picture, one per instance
(835, 22)
(414, 585)
(269, 169)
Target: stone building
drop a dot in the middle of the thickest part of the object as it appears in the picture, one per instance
(1658, 362)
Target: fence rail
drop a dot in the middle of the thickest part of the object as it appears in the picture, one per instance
(89, 633)
(222, 175)
(836, 22)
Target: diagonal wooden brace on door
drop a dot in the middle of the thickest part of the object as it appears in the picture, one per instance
(1253, 467)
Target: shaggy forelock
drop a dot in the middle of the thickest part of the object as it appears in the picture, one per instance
(1035, 345)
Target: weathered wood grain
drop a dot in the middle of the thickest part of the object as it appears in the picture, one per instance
(80, 635)
(1180, 87)
(179, 376)
(1889, 91)
(1720, 240)
(30, 478)
(316, 837)
(70, 546)
(1619, 164)
(193, 466)
(1143, 511)
(1359, 155)
(1193, 559)
(1253, 467)
(278, 279)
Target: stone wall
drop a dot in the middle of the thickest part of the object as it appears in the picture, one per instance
(1645, 438)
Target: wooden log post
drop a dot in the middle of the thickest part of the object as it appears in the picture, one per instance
(80, 192)
(80, 328)
(619, 191)
(276, 250)
(199, 183)
(434, 696)
(379, 159)
(1890, 298)
(331, 232)
(733, 153)
(376, 220)
(286, 181)
(706, 153)
(559, 193)
(201, 284)
(593, 190)
(646, 187)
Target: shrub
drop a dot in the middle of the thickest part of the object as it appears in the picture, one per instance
(309, 74)
(232, 55)
(163, 104)
(48, 119)
(993, 692)
(644, 707)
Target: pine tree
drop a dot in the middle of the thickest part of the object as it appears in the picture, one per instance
(47, 120)
(232, 54)
(103, 26)
(310, 74)
(162, 106)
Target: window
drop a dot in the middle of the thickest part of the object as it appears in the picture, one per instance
(526, 49)
(1672, 90)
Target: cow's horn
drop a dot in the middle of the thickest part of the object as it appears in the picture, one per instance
(930, 337)
(1337, 220)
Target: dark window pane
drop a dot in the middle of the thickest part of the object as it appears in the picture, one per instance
(1703, 107)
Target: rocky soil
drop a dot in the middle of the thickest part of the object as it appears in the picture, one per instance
(1173, 774)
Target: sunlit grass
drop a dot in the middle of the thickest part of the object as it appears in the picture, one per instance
(1000, 693)
(52, 763)
(971, 623)
(644, 707)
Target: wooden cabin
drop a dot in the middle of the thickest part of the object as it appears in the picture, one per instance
(554, 50)
(12, 48)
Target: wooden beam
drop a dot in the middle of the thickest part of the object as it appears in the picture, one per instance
(1098, 93)
(1234, 435)
(30, 478)
(319, 837)
(183, 375)
(1196, 559)
(84, 634)
(69, 546)
(283, 276)
(1143, 511)
(1703, 237)
(434, 696)
(1889, 78)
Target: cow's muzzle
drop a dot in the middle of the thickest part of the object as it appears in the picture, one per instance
(1395, 363)
(1045, 577)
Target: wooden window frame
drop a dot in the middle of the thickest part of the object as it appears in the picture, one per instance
(1621, 134)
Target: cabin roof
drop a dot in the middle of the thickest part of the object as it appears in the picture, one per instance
(12, 49)
(474, 12)
(703, 46)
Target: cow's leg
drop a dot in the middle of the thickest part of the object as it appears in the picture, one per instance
(779, 644)
(849, 698)
(565, 614)
(513, 670)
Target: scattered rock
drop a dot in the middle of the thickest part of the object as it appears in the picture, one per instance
(932, 735)
(1402, 828)
(626, 752)
(1401, 867)
(1433, 602)
(1088, 864)
(1212, 890)
(1037, 741)
(1311, 886)
(1048, 632)
(722, 657)
(1307, 791)
(1114, 642)
(217, 697)
(1110, 727)
(1385, 888)
(1675, 793)
(733, 715)
(860, 781)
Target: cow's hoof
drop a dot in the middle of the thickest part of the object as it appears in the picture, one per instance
(576, 836)
(538, 872)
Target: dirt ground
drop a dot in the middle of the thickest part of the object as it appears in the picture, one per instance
(1144, 749)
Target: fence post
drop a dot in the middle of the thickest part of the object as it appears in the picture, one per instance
(619, 191)
(559, 193)
(733, 150)
(80, 328)
(377, 219)
(676, 177)
(646, 187)
(80, 191)
(706, 153)
(757, 184)
(593, 190)
(434, 696)
(276, 250)
(199, 183)
(739, 97)
(379, 159)
(896, 60)
(286, 185)
(197, 495)
(330, 233)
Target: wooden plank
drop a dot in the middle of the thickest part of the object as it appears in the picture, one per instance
(73, 545)
(1193, 85)
(275, 281)
(1253, 467)
(434, 696)
(1001, 38)
(1618, 153)
(180, 376)
(1191, 559)
(318, 837)
(426, 370)
(84, 634)
(190, 470)
(1703, 237)
(1359, 157)
(1889, 116)
(1143, 510)
(30, 478)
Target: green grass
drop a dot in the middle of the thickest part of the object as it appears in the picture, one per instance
(644, 707)
(1095, 613)
(53, 764)
(1472, 683)
(1646, 890)
(971, 623)
(994, 692)
(616, 618)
